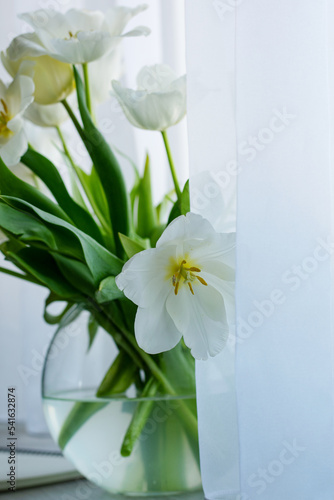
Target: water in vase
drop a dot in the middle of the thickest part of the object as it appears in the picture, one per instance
(164, 459)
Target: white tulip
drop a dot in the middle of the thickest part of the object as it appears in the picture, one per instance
(159, 101)
(14, 100)
(102, 72)
(183, 287)
(77, 36)
(51, 115)
(54, 80)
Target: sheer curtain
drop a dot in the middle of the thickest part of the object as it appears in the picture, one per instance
(261, 114)
(24, 336)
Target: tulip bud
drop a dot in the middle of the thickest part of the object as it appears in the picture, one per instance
(53, 79)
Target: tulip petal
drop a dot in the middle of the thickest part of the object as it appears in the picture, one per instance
(138, 31)
(51, 115)
(159, 111)
(118, 17)
(208, 330)
(190, 227)
(227, 291)
(3, 89)
(85, 48)
(20, 94)
(102, 72)
(16, 99)
(178, 308)
(154, 328)
(143, 275)
(49, 21)
(12, 151)
(86, 20)
(27, 45)
(220, 247)
(152, 111)
(156, 77)
(216, 268)
(77, 36)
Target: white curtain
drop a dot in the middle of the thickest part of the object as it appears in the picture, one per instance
(24, 336)
(260, 116)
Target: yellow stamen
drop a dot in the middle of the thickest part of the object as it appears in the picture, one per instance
(187, 274)
(5, 107)
(201, 280)
(193, 269)
(4, 119)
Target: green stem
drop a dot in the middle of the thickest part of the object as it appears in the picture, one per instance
(109, 325)
(125, 340)
(34, 176)
(19, 275)
(172, 166)
(151, 364)
(140, 417)
(65, 148)
(188, 416)
(74, 119)
(87, 88)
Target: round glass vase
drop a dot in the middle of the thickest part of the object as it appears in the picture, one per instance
(124, 443)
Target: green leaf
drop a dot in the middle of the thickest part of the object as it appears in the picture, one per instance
(78, 415)
(131, 246)
(62, 241)
(119, 376)
(71, 315)
(147, 217)
(185, 199)
(93, 327)
(108, 291)
(49, 174)
(41, 265)
(107, 168)
(164, 205)
(24, 277)
(99, 260)
(127, 157)
(11, 245)
(13, 186)
(156, 234)
(54, 319)
(26, 227)
(174, 213)
(96, 196)
(77, 273)
(75, 189)
(185, 205)
(129, 310)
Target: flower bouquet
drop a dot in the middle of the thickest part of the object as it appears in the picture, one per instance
(155, 288)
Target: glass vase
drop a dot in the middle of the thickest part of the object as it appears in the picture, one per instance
(125, 443)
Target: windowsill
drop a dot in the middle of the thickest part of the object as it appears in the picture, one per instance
(37, 460)
(83, 489)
